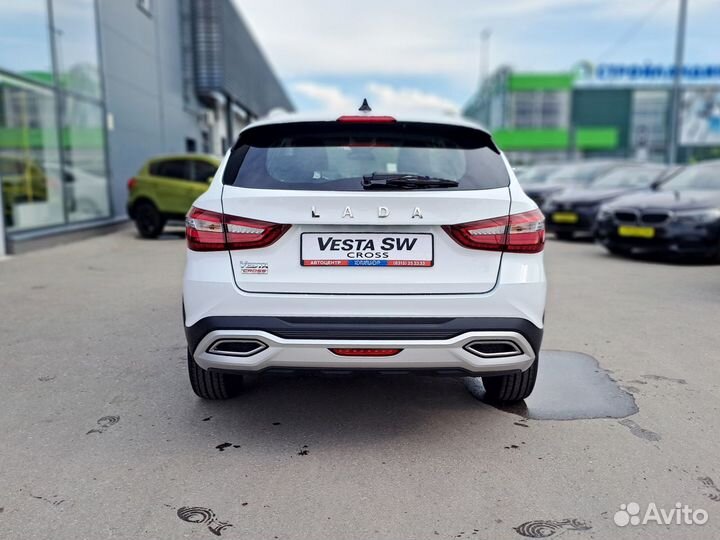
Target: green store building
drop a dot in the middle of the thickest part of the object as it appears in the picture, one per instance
(619, 114)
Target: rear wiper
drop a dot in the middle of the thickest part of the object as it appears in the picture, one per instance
(405, 181)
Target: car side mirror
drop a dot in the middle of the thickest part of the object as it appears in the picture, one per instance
(656, 185)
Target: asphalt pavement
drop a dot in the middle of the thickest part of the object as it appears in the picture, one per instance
(101, 436)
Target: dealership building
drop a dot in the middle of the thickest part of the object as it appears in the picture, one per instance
(609, 110)
(91, 89)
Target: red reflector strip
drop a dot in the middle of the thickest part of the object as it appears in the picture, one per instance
(367, 119)
(365, 352)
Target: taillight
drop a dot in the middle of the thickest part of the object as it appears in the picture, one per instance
(516, 233)
(526, 232)
(364, 352)
(131, 184)
(212, 231)
(367, 119)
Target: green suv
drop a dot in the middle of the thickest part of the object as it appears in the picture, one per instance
(165, 189)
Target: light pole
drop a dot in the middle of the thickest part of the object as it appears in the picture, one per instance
(677, 79)
(484, 55)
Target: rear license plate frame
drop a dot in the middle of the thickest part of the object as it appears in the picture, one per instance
(369, 263)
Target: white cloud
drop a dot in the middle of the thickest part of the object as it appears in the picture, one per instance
(382, 98)
(406, 42)
(328, 98)
(389, 98)
(420, 37)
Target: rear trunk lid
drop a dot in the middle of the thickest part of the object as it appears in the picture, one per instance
(349, 237)
(296, 263)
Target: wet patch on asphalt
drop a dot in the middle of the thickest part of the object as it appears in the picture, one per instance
(546, 528)
(222, 446)
(105, 422)
(570, 386)
(203, 516)
(640, 432)
(710, 490)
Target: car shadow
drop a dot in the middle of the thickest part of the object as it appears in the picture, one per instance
(580, 239)
(287, 412)
(659, 259)
(343, 410)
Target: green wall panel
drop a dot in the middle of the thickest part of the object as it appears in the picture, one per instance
(597, 138)
(531, 139)
(603, 109)
(529, 82)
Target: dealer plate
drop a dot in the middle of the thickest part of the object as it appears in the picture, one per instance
(366, 249)
(636, 232)
(565, 217)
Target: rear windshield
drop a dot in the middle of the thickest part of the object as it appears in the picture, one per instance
(332, 156)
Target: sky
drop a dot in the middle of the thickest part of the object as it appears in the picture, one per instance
(409, 54)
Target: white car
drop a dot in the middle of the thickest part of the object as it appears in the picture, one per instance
(364, 242)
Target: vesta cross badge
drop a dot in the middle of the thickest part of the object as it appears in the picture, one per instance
(382, 212)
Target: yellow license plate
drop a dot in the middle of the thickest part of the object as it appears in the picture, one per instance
(636, 232)
(565, 217)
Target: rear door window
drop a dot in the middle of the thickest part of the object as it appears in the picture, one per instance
(203, 170)
(332, 156)
(173, 168)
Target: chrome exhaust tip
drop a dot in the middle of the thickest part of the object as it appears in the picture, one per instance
(493, 348)
(237, 347)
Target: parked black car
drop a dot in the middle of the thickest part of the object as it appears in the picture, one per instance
(573, 211)
(680, 218)
(565, 176)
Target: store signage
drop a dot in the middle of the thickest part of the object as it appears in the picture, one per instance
(655, 72)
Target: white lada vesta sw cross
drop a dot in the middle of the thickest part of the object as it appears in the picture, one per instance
(364, 242)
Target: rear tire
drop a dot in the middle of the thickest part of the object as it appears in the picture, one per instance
(211, 384)
(511, 388)
(564, 235)
(148, 219)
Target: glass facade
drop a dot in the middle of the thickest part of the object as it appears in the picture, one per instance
(76, 46)
(84, 164)
(649, 122)
(25, 39)
(540, 109)
(32, 194)
(52, 135)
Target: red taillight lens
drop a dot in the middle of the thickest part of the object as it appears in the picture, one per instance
(516, 233)
(131, 184)
(487, 234)
(204, 230)
(212, 231)
(367, 119)
(526, 232)
(365, 352)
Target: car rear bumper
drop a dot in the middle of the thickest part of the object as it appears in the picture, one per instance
(668, 239)
(585, 222)
(427, 344)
